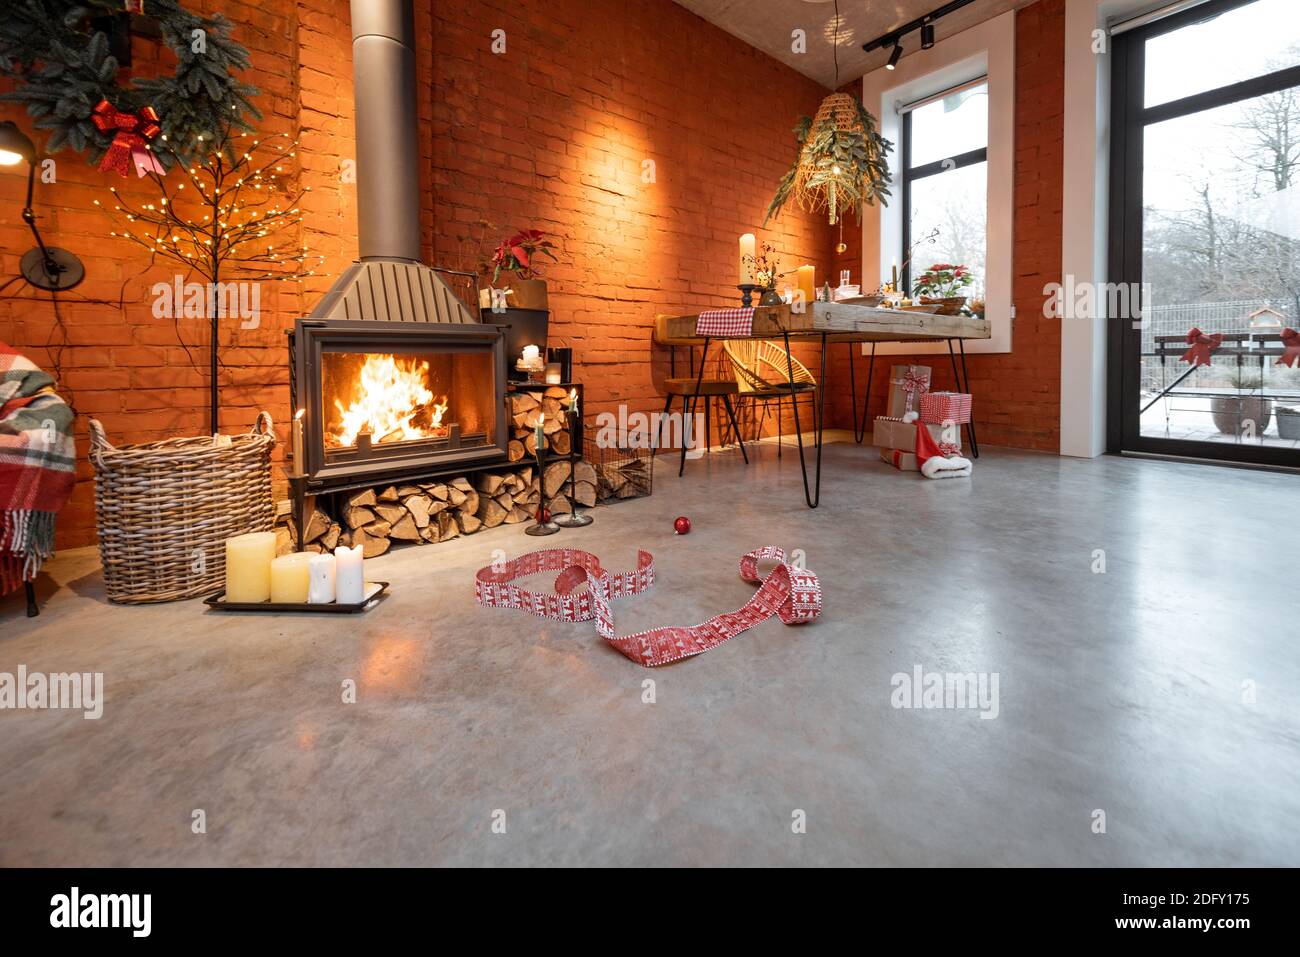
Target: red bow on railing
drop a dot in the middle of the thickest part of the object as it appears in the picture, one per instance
(1201, 347)
(1291, 357)
(134, 133)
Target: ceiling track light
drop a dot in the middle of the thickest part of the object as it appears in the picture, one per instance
(924, 23)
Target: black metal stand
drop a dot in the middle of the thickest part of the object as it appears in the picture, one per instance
(540, 527)
(813, 497)
(32, 609)
(574, 518)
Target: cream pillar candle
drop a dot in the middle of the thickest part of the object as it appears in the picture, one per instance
(532, 353)
(248, 566)
(349, 575)
(291, 578)
(321, 571)
(808, 284)
(747, 245)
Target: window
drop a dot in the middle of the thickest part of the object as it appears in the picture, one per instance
(1206, 224)
(944, 161)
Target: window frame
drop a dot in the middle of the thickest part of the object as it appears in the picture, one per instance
(1129, 119)
(910, 174)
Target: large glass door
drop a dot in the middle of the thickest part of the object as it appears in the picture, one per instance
(1205, 216)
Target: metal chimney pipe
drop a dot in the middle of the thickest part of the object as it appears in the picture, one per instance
(388, 154)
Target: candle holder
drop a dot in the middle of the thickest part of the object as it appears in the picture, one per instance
(747, 293)
(539, 527)
(574, 518)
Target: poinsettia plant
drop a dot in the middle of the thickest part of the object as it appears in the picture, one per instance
(519, 253)
(943, 281)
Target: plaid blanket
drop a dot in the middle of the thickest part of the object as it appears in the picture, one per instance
(37, 466)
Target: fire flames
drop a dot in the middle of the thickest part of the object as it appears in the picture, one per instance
(392, 402)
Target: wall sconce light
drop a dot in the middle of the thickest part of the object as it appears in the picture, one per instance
(45, 267)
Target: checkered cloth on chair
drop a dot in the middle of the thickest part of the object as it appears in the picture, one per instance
(737, 321)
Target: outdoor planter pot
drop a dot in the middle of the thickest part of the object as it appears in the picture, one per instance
(1230, 412)
(1288, 423)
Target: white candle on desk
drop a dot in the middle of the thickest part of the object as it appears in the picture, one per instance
(532, 353)
(248, 566)
(747, 245)
(321, 571)
(291, 578)
(349, 575)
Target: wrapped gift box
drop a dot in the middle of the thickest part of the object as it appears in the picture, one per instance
(890, 433)
(903, 461)
(939, 407)
(906, 386)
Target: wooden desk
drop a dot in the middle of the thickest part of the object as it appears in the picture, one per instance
(852, 324)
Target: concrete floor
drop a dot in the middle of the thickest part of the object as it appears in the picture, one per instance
(1120, 692)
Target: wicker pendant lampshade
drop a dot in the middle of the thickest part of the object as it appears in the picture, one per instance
(841, 162)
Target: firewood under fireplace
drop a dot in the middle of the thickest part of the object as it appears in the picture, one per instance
(424, 512)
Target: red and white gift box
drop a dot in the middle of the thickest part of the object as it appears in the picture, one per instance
(940, 407)
(906, 385)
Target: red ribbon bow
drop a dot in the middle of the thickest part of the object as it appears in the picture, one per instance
(1201, 347)
(1291, 357)
(134, 133)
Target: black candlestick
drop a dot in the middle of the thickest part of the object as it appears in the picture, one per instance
(574, 518)
(540, 527)
(747, 293)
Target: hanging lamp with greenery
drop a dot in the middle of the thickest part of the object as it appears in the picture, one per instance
(841, 164)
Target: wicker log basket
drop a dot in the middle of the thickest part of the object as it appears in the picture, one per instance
(165, 509)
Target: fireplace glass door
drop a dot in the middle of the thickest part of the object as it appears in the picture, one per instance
(391, 400)
(394, 402)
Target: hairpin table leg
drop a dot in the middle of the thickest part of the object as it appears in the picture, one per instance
(860, 429)
(963, 385)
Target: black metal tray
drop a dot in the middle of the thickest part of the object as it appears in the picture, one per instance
(373, 591)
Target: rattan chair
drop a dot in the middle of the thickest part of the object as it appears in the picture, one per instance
(763, 373)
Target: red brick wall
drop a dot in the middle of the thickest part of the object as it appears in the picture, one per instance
(1017, 395)
(551, 134)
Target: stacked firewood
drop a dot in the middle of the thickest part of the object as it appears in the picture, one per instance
(551, 408)
(439, 511)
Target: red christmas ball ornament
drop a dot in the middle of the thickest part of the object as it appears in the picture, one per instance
(544, 515)
(682, 525)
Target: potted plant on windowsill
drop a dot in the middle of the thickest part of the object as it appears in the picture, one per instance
(1232, 412)
(518, 255)
(941, 286)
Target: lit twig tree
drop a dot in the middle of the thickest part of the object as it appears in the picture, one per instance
(224, 226)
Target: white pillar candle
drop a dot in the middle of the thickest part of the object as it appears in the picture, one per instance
(349, 575)
(290, 578)
(532, 353)
(321, 571)
(747, 245)
(248, 566)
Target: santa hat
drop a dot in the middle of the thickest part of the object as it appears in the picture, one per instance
(934, 464)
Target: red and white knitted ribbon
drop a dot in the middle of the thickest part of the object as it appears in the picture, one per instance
(735, 321)
(792, 594)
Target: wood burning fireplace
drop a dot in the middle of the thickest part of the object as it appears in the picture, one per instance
(390, 400)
